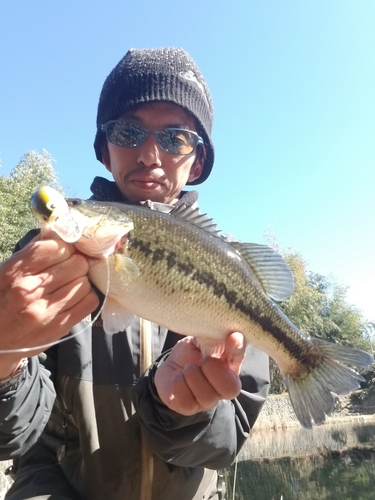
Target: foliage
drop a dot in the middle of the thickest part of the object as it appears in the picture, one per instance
(319, 308)
(366, 395)
(16, 217)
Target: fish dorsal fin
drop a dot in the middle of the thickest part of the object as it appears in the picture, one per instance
(153, 205)
(269, 267)
(189, 199)
(186, 209)
(192, 215)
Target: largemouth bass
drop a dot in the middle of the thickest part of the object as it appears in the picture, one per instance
(177, 270)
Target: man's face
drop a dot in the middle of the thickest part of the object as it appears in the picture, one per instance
(146, 172)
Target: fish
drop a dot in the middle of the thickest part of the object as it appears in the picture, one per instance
(172, 266)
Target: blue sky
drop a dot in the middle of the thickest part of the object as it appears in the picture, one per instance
(293, 88)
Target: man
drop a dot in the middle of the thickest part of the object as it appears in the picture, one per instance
(78, 415)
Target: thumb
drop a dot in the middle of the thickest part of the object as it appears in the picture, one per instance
(47, 232)
(234, 353)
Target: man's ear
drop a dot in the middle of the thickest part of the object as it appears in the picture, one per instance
(106, 158)
(196, 169)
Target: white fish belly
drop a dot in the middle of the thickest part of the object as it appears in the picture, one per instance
(173, 304)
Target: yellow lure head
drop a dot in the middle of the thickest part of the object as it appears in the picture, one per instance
(48, 204)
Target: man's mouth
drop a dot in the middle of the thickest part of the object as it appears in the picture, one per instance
(146, 183)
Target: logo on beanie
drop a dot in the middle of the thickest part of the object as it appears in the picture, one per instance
(190, 75)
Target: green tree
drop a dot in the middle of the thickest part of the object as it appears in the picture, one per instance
(16, 217)
(320, 309)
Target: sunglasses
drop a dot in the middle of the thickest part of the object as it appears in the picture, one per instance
(175, 141)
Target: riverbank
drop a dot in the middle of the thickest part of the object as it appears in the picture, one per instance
(5, 481)
(278, 413)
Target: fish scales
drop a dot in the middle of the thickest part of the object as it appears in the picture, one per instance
(207, 285)
(200, 311)
(174, 269)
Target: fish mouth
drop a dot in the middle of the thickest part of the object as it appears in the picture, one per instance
(100, 243)
(95, 251)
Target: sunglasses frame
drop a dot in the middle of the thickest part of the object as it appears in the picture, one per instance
(156, 133)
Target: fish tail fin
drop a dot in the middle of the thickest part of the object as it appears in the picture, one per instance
(312, 396)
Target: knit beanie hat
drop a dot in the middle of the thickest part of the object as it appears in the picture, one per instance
(166, 74)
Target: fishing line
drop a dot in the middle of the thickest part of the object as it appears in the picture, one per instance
(73, 335)
(235, 478)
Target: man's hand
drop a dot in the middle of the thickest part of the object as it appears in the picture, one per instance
(44, 292)
(188, 383)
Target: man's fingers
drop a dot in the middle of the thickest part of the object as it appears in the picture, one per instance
(38, 256)
(222, 378)
(188, 383)
(63, 273)
(68, 296)
(182, 400)
(73, 313)
(199, 388)
(185, 352)
(53, 321)
(234, 353)
(25, 290)
(44, 291)
(204, 392)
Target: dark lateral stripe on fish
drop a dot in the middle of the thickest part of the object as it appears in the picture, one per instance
(220, 290)
(254, 312)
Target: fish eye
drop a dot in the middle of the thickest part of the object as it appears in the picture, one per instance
(73, 202)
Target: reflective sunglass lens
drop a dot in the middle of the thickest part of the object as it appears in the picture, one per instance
(125, 135)
(171, 140)
(176, 141)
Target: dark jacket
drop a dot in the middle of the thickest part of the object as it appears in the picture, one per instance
(76, 421)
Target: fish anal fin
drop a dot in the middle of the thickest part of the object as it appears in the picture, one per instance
(210, 347)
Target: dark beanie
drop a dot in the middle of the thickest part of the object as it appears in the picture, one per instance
(147, 75)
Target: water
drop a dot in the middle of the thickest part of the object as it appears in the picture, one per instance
(329, 463)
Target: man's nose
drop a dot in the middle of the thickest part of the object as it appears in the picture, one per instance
(149, 152)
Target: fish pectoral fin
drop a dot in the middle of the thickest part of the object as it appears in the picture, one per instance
(313, 395)
(269, 268)
(124, 263)
(115, 317)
